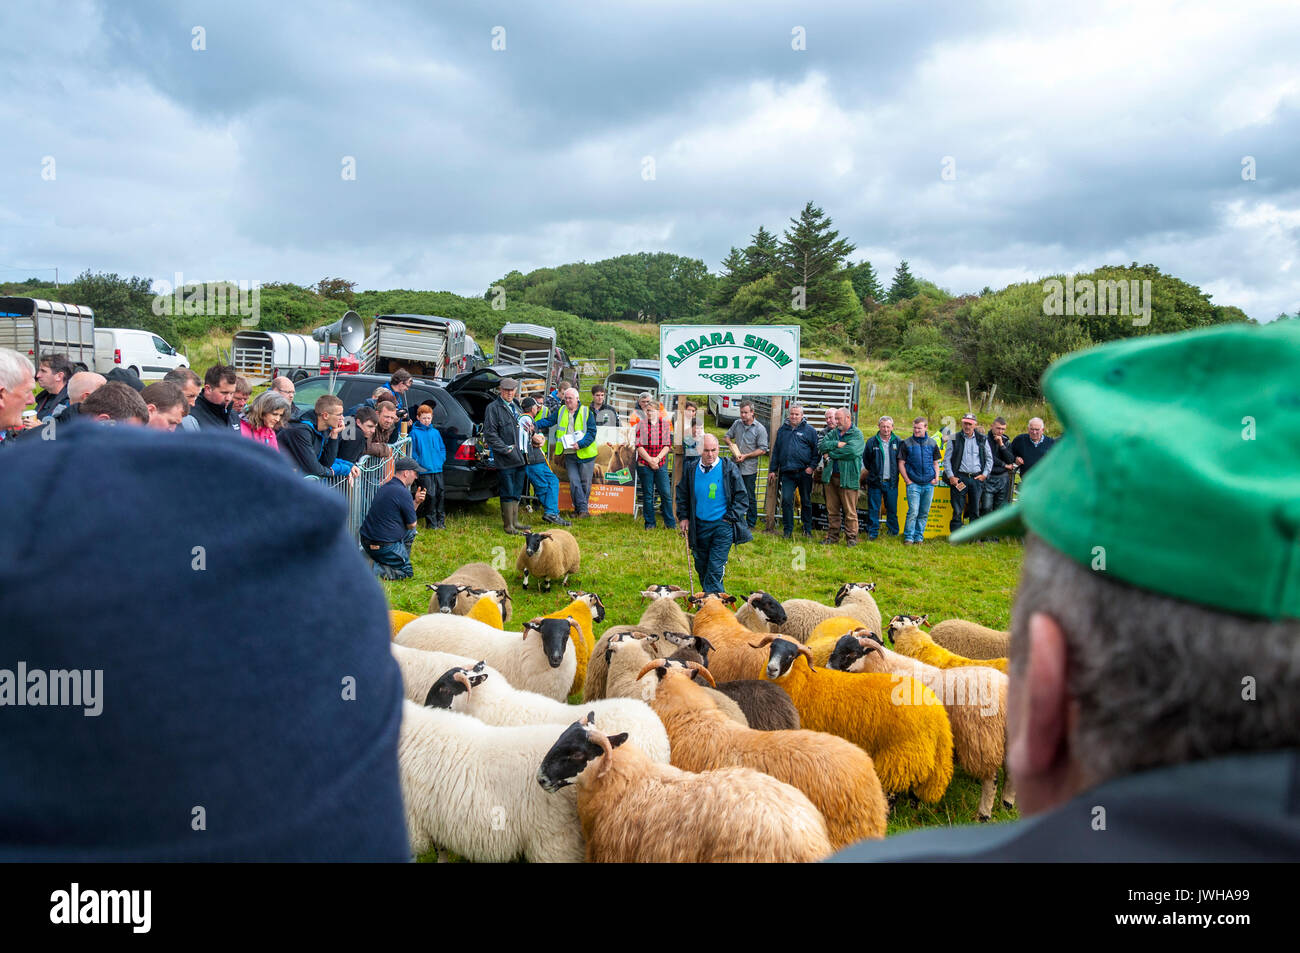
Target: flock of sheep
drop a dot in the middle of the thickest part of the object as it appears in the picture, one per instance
(775, 732)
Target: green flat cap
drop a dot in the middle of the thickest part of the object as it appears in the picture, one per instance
(1179, 470)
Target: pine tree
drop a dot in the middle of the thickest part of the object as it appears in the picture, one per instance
(762, 255)
(865, 282)
(812, 258)
(730, 280)
(904, 287)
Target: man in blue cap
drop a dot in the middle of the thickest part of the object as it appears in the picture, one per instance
(388, 532)
(1154, 704)
(200, 698)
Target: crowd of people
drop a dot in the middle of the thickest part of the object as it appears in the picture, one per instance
(328, 440)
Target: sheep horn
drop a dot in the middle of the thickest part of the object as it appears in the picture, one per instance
(703, 671)
(806, 653)
(767, 640)
(607, 759)
(649, 666)
(461, 677)
(638, 634)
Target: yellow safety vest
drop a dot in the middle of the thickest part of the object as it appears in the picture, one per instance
(583, 453)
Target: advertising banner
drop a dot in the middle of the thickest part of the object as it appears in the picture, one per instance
(613, 484)
(729, 359)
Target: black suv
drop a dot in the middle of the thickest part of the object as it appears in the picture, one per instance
(458, 408)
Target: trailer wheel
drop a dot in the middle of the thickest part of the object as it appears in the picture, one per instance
(134, 370)
(299, 376)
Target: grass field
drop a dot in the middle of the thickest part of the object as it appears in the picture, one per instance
(619, 558)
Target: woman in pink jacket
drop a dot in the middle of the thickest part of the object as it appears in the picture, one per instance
(263, 418)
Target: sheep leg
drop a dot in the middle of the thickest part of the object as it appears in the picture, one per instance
(546, 585)
(1009, 792)
(566, 578)
(525, 578)
(988, 789)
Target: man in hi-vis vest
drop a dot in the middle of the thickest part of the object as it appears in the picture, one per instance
(574, 438)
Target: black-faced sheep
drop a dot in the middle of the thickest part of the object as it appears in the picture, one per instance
(549, 556)
(974, 697)
(732, 658)
(539, 659)
(898, 721)
(457, 594)
(635, 811)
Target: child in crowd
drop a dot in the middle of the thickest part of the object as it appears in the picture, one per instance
(430, 452)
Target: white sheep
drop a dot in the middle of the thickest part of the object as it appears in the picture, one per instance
(472, 788)
(551, 555)
(487, 695)
(539, 659)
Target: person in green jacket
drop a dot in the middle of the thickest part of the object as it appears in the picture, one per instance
(844, 445)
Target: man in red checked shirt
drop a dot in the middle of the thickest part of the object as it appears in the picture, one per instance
(654, 437)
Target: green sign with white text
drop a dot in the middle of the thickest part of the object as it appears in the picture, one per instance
(729, 359)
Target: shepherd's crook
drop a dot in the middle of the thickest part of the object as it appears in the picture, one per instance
(690, 580)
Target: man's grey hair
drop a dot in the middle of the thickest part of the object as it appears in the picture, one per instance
(1038, 419)
(15, 368)
(884, 418)
(571, 390)
(1157, 680)
(793, 406)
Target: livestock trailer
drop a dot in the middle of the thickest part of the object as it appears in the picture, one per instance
(822, 385)
(424, 344)
(533, 347)
(34, 327)
(262, 356)
(623, 387)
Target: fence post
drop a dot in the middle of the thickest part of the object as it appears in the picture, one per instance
(969, 408)
(611, 360)
(871, 394)
(992, 391)
(769, 498)
(909, 395)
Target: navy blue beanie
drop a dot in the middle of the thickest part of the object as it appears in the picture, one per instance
(249, 703)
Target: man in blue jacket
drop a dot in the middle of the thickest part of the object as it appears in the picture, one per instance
(794, 455)
(712, 506)
(880, 460)
(918, 465)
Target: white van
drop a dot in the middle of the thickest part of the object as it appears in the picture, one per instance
(144, 353)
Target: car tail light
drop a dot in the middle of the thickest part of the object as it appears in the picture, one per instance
(117, 355)
(465, 452)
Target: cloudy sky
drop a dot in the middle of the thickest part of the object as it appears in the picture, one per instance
(1117, 132)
